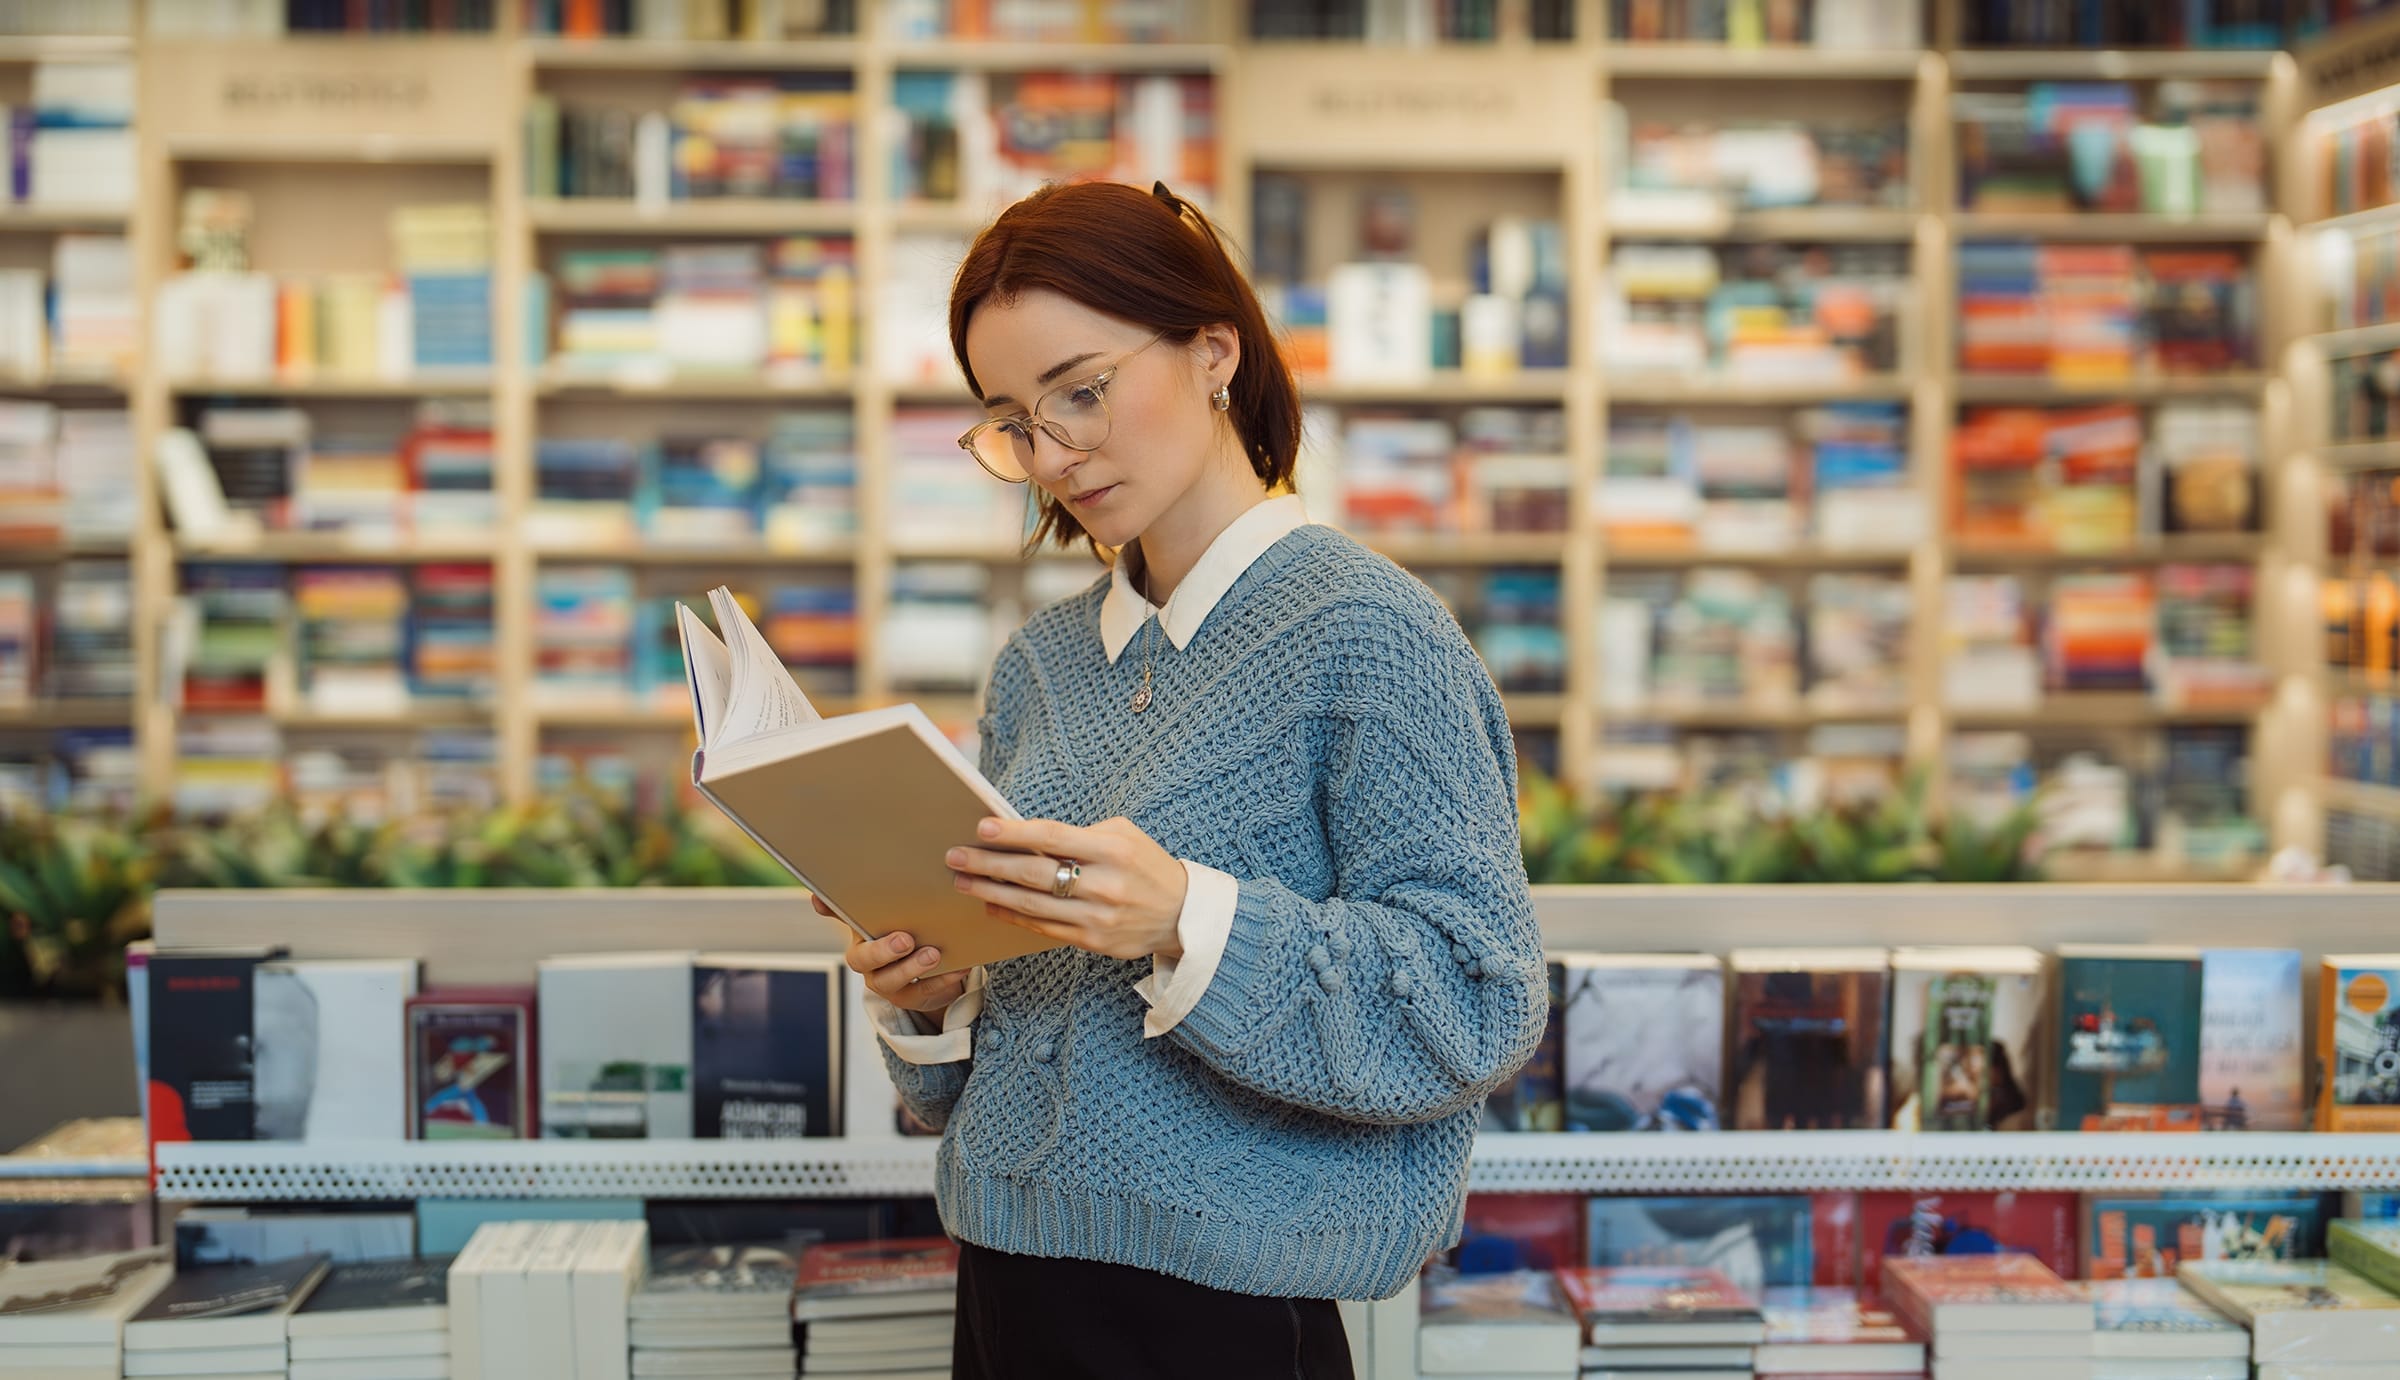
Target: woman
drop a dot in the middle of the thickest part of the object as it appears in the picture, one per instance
(1271, 819)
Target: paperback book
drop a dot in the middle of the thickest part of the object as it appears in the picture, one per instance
(1808, 1039)
(2311, 1311)
(735, 1282)
(2358, 1042)
(471, 1064)
(1758, 1242)
(1835, 1331)
(616, 1046)
(227, 1306)
(766, 1046)
(1966, 1029)
(1515, 1323)
(1661, 1306)
(201, 1075)
(1925, 1226)
(80, 1302)
(2129, 1038)
(2370, 1250)
(1644, 1041)
(870, 1278)
(378, 1298)
(2148, 1238)
(2250, 1041)
(2160, 1319)
(1985, 1293)
(327, 1041)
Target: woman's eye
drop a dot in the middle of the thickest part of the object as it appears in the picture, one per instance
(1084, 396)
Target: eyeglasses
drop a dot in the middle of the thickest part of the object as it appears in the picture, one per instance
(1074, 414)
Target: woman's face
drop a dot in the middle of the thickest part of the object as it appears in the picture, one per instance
(1158, 438)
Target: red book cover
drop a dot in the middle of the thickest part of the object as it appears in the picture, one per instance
(1521, 1231)
(1960, 1225)
(1833, 1223)
(903, 1265)
(2001, 1279)
(471, 1064)
(1654, 1294)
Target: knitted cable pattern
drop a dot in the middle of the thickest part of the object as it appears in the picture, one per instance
(1331, 740)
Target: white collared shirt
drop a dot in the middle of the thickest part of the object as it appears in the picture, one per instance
(1174, 986)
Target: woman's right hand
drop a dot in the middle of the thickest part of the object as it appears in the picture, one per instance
(893, 968)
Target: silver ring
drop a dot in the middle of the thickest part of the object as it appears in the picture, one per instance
(1063, 886)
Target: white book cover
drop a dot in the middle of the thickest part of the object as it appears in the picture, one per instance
(1644, 1042)
(329, 1043)
(387, 1368)
(213, 1361)
(506, 1352)
(614, 1262)
(465, 1295)
(616, 1046)
(79, 1302)
(549, 1317)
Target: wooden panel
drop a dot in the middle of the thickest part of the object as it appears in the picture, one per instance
(1417, 109)
(413, 92)
(2360, 58)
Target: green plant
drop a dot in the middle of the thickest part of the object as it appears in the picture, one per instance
(73, 894)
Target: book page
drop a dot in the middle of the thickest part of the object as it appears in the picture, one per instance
(707, 670)
(761, 695)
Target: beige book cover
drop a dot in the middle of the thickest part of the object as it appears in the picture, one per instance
(860, 807)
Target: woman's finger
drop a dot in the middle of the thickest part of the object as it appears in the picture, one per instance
(1033, 871)
(893, 979)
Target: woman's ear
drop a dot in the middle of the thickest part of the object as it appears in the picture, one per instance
(1218, 351)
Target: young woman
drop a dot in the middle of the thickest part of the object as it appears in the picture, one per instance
(1271, 818)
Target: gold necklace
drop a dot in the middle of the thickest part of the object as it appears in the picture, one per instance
(1141, 697)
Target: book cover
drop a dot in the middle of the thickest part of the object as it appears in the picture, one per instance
(378, 1296)
(2159, 1317)
(1757, 1241)
(2358, 1043)
(1833, 1232)
(79, 1302)
(1822, 1331)
(1984, 1293)
(767, 1035)
(1808, 1040)
(1965, 1039)
(1532, 1099)
(210, 1235)
(2301, 1310)
(2129, 1037)
(471, 1064)
(616, 1046)
(745, 1280)
(1609, 1296)
(1516, 1322)
(2147, 1238)
(907, 1265)
(1644, 1041)
(226, 1305)
(1926, 1226)
(1520, 1231)
(2370, 1250)
(201, 1083)
(2251, 1040)
(328, 1038)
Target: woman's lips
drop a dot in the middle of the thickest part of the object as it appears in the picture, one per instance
(1091, 496)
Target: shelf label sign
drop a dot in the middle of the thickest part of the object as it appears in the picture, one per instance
(1416, 106)
(427, 91)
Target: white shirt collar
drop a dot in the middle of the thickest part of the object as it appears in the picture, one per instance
(1244, 540)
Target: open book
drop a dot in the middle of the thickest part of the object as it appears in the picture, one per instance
(860, 807)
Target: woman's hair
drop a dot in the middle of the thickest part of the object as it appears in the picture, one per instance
(1146, 257)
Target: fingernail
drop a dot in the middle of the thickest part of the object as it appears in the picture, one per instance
(989, 829)
(899, 943)
(956, 857)
(930, 957)
(959, 880)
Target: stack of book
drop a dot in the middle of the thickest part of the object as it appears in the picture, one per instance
(94, 308)
(1992, 1317)
(882, 1309)
(376, 1320)
(232, 647)
(715, 1310)
(1676, 175)
(1753, 23)
(754, 23)
(2368, 1248)
(941, 498)
(220, 1320)
(1038, 21)
(65, 1319)
(353, 639)
(2308, 1319)
(2205, 658)
(2155, 1329)
(525, 1297)
(1761, 313)
(73, 144)
(808, 490)
(1687, 1323)
(1834, 1331)
(582, 636)
(1514, 1323)
(790, 137)
(2098, 637)
(2124, 23)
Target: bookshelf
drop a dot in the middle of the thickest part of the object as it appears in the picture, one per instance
(1472, 127)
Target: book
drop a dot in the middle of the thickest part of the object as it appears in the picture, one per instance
(1965, 1051)
(2368, 1249)
(1922, 1226)
(1643, 1041)
(471, 1064)
(1758, 1242)
(616, 1046)
(826, 797)
(1520, 1231)
(1815, 1331)
(613, 1261)
(1661, 1306)
(2015, 1294)
(1808, 1039)
(79, 1302)
(548, 1319)
(2358, 1042)
(2250, 1040)
(201, 1083)
(2159, 1318)
(227, 1305)
(493, 1266)
(380, 1299)
(328, 1041)
(2147, 1238)
(767, 1046)
(1514, 1322)
(865, 1278)
(725, 1283)
(2128, 1037)
(2301, 1310)
(212, 1235)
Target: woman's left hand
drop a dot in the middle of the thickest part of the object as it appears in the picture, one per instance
(1125, 904)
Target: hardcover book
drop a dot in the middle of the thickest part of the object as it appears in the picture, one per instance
(1516, 1323)
(2147, 1238)
(471, 1064)
(766, 1046)
(722, 1283)
(1758, 1242)
(2358, 1043)
(1984, 1293)
(201, 1082)
(2370, 1250)
(1661, 1305)
(616, 1046)
(1521, 1231)
(226, 1305)
(2251, 1041)
(2128, 1037)
(1834, 1331)
(378, 1298)
(1644, 1042)
(81, 1302)
(329, 1041)
(1925, 1226)
(1808, 1039)
(2159, 1318)
(1532, 1099)
(2301, 1310)
(870, 1278)
(1965, 1041)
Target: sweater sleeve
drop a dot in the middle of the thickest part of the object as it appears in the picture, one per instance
(1418, 986)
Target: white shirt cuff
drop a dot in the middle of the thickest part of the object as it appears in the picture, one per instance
(1175, 986)
(899, 1030)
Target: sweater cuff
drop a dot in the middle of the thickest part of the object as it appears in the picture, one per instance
(1241, 992)
(897, 1029)
(1176, 985)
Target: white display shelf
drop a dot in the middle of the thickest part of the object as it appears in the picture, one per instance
(1733, 1161)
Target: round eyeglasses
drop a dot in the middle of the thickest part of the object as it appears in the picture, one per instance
(1074, 414)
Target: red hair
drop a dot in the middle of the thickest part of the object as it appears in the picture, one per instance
(1146, 257)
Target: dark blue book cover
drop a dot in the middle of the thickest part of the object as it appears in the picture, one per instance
(2129, 1039)
(766, 1047)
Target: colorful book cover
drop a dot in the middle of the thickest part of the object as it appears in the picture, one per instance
(470, 1064)
(1808, 1042)
(1633, 1294)
(2358, 1043)
(2251, 1040)
(1833, 1230)
(202, 1084)
(2254, 1289)
(1758, 1241)
(1924, 1226)
(1931, 1284)
(766, 1046)
(1829, 1317)
(1644, 1042)
(1520, 1231)
(2130, 1313)
(907, 1265)
(725, 1281)
(2370, 1249)
(1966, 1039)
(2147, 1238)
(2129, 1038)
(1530, 1101)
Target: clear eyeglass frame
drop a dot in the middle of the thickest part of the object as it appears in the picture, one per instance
(1074, 414)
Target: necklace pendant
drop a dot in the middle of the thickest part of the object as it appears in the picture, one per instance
(1141, 698)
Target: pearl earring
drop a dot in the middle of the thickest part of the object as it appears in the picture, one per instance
(1223, 398)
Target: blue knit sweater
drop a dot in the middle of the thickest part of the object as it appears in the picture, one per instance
(1330, 740)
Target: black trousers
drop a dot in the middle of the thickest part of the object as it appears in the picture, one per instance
(1029, 1318)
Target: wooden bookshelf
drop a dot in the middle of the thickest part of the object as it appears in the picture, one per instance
(1507, 112)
